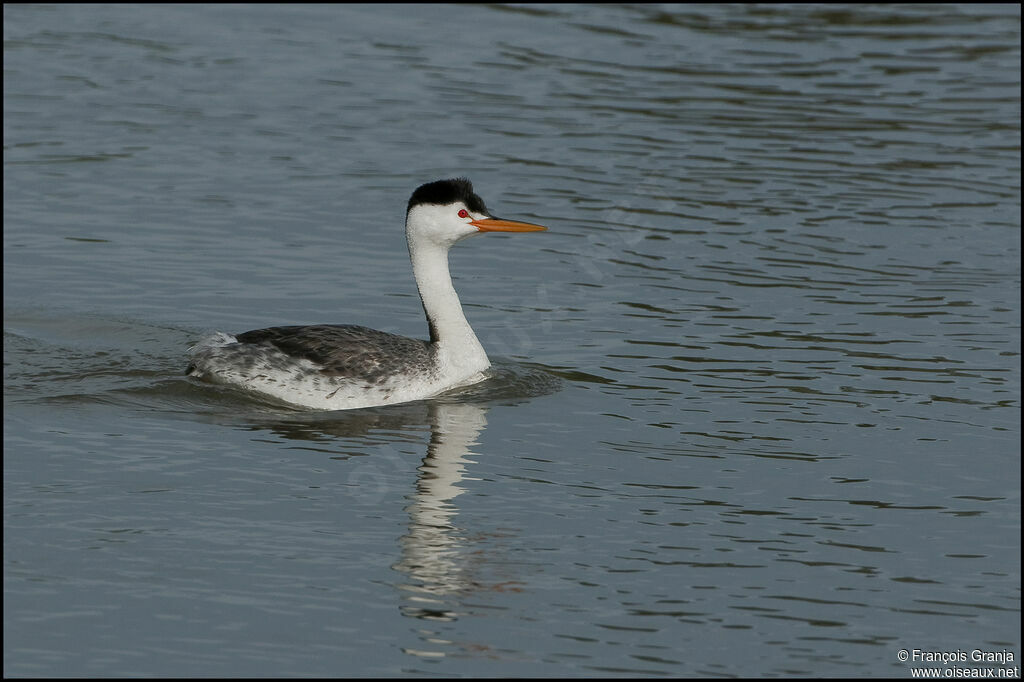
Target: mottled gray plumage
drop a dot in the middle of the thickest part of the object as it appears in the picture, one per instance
(348, 351)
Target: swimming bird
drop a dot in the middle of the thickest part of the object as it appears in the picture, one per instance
(336, 367)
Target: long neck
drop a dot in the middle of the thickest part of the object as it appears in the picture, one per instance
(457, 345)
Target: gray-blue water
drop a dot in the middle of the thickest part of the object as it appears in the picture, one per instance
(756, 408)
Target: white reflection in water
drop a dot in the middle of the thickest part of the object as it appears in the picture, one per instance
(433, 553)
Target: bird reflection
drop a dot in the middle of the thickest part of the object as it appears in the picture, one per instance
(432, 550)
(441, 562)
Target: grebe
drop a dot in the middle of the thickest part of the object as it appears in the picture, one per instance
(338, 367)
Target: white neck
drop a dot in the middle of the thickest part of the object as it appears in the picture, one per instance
(459, 351)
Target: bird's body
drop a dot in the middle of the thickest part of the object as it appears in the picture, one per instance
(335, 367)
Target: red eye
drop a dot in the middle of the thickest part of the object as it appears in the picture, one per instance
(463, 213)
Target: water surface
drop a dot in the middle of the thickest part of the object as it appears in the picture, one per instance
(756, 397)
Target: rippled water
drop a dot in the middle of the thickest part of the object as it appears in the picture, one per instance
(756, 398)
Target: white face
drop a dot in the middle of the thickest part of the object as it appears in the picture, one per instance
(443, 225)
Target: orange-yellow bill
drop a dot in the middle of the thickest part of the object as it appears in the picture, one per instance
(499, 225)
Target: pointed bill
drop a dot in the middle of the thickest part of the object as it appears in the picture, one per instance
(500, 225)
